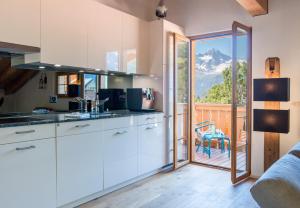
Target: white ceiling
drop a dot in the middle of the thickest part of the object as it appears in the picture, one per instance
(144, 9)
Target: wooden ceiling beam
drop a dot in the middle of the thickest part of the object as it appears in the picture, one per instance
(255, 7)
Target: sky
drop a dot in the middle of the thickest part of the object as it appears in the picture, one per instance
(224, 44)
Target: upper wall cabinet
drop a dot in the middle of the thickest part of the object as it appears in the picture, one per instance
(64, 32)
(20, 22)
(135, 45)
(104, 37)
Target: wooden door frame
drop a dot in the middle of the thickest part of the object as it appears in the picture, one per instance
(193, 39)
(247, 174)
(176, 164)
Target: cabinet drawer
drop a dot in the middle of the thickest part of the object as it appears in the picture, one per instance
(120, 156)
(26, 133)
(150, 118)
(78, 127)
(121, 122)
(152, 147)
(28, 174)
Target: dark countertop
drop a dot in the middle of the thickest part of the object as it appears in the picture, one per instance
(26, 119)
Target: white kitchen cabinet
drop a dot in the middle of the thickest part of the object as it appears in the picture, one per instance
(20, 22)
(28, 174)
(152, 147)
(104, 37)
(79, 166)
(64, 32)
(120, 156)
(135, 37)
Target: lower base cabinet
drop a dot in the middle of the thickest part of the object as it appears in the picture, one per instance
(120, 156)
(27, 174)
(79, 167)
(152, 148)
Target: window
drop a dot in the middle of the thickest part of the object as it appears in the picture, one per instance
(64, 80)
(91, 86)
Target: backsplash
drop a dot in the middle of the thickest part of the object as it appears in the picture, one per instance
(31, 95)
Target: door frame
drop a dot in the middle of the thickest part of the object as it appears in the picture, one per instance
(234, 178)
(177, 164)
(192, 40)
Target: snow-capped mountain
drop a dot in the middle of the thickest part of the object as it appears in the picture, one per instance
(209, 68)
(212, 62)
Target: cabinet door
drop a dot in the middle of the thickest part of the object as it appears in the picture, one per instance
(79, 167)
(152, 148)
(27, 174)
(135, 45)
(104, 37)
(120, 155)
(20, 22)
(64, 32)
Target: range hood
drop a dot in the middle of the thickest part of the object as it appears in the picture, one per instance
(27, 57)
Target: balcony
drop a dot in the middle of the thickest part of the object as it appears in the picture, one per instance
(211, 135)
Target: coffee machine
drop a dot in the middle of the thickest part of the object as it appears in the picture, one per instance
(140, 99)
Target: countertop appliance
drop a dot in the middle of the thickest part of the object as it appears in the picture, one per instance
(140, 99)
(116, 99)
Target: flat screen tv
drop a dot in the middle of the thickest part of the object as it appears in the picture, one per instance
(277, 121)
(274, 89)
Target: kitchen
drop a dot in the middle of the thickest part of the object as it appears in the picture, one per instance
(62, 142)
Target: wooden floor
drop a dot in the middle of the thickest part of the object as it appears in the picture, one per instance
(220, 159)
(192, 186)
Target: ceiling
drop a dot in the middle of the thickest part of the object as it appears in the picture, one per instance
(144, 9)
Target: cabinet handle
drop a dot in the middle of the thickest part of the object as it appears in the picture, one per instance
(25, 132)
(25, 148)
(149, 128)
(121, 132)
(82, 126)
(150, 118)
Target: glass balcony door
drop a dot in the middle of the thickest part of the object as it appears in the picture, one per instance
(181, 100)
(241, 102)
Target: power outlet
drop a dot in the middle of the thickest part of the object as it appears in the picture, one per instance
(52, 99)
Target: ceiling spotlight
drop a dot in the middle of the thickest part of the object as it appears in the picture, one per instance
(161, 10)
(57, 65)
(97, 69)
(42, 67)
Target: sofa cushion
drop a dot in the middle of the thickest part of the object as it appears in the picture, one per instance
(295, 150)
(279, 186)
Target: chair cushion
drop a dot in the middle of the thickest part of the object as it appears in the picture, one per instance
(279, 186)
(295, 150)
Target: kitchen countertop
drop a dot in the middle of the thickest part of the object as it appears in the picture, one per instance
(35, 119)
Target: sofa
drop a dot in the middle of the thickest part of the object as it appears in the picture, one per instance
(279, 186)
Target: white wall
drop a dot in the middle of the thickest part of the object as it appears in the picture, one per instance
(275, 34)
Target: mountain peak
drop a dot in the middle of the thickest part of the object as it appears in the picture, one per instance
(212, 61)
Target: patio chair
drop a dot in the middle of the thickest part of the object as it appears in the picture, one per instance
(203, 128)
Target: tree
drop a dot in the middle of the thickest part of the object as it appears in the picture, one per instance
(222, 93)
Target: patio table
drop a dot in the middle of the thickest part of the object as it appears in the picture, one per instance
(220, 137)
